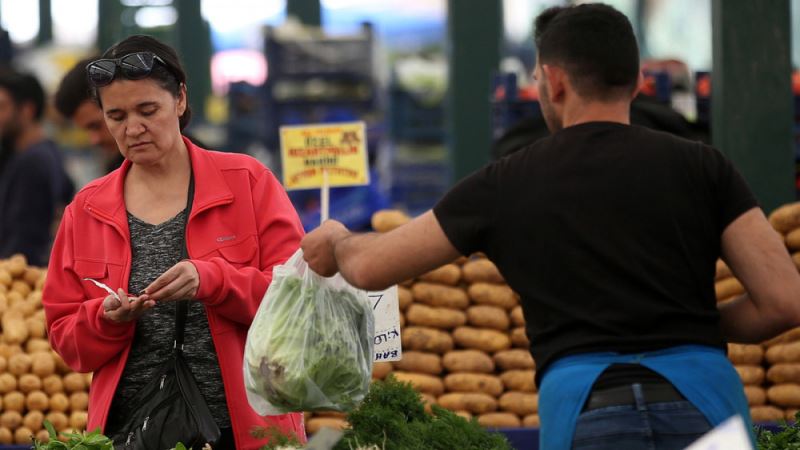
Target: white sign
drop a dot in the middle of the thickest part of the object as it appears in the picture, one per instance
(387, 325)
(729, 435)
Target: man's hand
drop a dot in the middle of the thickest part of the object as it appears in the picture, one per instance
(126, 308)
(318, 247)
(179, 282)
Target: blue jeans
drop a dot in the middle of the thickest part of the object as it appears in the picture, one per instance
(654, 426)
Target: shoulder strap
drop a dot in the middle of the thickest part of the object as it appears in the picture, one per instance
(182, 306)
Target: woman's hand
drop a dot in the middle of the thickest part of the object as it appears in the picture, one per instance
(179, 282)
(126, 309)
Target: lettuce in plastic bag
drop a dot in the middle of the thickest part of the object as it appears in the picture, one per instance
(310, 344)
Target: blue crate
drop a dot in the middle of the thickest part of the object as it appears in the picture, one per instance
(411, 120)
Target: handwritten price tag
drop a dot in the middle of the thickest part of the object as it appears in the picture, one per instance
(387, 325)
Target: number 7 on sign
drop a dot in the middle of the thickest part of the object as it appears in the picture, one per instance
(386, 311)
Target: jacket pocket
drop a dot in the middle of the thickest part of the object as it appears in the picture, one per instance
(240, 254)
(91, 269)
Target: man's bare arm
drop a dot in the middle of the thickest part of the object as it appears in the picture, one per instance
(758, 258)
(375, 261)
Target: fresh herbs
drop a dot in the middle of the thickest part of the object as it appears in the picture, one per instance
(79, 441)
(786, 439)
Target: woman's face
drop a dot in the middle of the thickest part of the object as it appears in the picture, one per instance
(143, 118)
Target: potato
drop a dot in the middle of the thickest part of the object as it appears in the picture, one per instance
(474, 402)
(531, 421)
(498, 295)
(3, 364)
(317, 423)
(16, 265)
(74, 382)
(521, 403)
(9, 350)
(26, 308)
(78, 420)
(402, 318)
(6, 436)
(379, 370)
(499, 420)
(519, 380)
(33, 420)
(427, 401)
(753, 375)
(19, 364)
(11, 419)
(468, 361)
(786, 218)
(36, 328)
(489, 341)
(473, 382)
(29, 383)
(31, 275)
(79, 401)
(517, 317)
(791, 414)
(744, 354)
(421, 382)
(728, 287)
(88, 378)
(388, 219)
(23, 435)
(514, 359)
(433, 294)
(58, 419)
(485, 316)
(404, 298)
(5, 277)
(766, 414)
(786, 395)
(14, 297)
(22, 287)
(8, 383)
(3, 301)
(59, 403)
(449, 274)
(43, 436)
(482, 270)
(723, 271)
(52, 385)
(756, 396)
(37, 401)
(429, 363)
(446, 318)
(426, 340)
(14, 329)
(35, 298)
(784, 373)
(36, 345)
(43, 364)
(793, 239)
(14, 401)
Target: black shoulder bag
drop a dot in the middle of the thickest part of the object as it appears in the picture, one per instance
(170, 408)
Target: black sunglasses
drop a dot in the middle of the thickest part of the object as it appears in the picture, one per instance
(133, 66)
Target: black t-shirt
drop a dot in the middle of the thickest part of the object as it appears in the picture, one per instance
(608, 232)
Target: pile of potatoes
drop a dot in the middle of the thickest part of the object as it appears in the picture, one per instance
(35, 384)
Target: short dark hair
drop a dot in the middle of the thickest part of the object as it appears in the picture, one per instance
(596, 46)
(74, 89)
(170, 76)
(24, 88)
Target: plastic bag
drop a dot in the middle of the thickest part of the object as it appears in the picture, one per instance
(310, 344)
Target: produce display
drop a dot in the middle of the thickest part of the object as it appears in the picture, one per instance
(35, 384)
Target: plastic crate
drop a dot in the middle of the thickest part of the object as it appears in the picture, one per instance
(342, 57)
(412, 121)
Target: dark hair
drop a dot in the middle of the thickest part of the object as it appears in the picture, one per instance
(170, 77)
(24, 88)
(595, 45)
(74, 89)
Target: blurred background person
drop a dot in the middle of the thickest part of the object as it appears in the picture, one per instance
(34, 186)
(73, 100)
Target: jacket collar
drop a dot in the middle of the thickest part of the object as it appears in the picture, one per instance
(210, 188)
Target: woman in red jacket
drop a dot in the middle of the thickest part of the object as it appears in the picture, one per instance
(126, 230)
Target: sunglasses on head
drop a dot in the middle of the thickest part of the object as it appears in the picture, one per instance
(133, 66)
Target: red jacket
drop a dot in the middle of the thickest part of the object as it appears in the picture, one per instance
(240, 226)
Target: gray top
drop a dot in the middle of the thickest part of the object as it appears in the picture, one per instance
(155, 249)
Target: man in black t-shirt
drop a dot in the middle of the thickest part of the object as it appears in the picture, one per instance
(609, 233)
